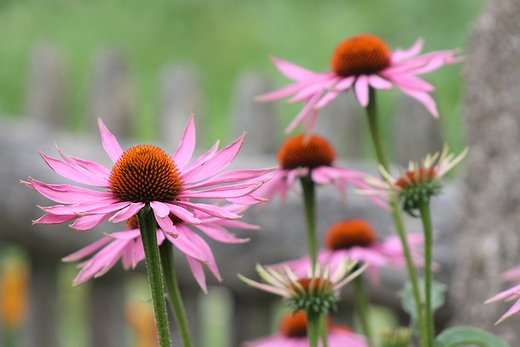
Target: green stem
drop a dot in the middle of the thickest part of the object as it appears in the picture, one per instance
(373, 122)
(424, 208)
(324, 330)
(174, 294)
(313, 328)
(308, 188)
(148, 228)
(363, 309)
(11, 336)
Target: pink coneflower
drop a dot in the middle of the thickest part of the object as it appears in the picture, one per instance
(357, 240)
(313, 156)
(361, 62)
(509, 294)
(293, 332)
(416, 185)
(145, 175)
(128, 246)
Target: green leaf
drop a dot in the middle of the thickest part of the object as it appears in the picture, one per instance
(458, 336)
(408, 303)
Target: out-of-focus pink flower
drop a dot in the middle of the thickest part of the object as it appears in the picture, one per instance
(356, 239)
(313, 156)
(128, 246)
(416, 185)
(361, 62)
(293, 332)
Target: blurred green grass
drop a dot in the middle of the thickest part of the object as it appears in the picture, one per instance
(222, 38)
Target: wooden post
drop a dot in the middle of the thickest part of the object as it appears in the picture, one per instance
(112, 95)
(46, 85)
(258, 119)
(488, 239)
(180, 97)
(415, 132)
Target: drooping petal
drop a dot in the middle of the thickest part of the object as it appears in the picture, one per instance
(361, 90)
(88, 222)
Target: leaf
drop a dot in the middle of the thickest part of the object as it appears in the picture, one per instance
(438, 295)
(458, 336)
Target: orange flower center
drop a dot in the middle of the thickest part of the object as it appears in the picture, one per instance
(360, 55)
(294, 325)
(299, 151)
(349, 233)
(422, 175)
(145, 173)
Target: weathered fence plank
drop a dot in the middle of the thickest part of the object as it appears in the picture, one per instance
(489, 242)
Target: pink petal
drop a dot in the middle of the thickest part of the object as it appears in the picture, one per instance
(233, 176)
(73, 172)
(198, 272)
(68, 194)
(304, 113)
(217, 163)
(378, 82)
(361, 90)
(183, 214)
(88, 222)
(425, 99)
(82, 253)
(220, 234)
(292, 71)
(50, 218)
(210, 209)
(127, 212)
(186, 244)
(184, 151)
(109, 142)
(416, 48)
(160, 209)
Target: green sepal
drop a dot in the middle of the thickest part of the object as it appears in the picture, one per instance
(462, 336)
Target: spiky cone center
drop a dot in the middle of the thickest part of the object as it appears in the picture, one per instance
(303, 151)
(294, 324)
(360, 55)
(349, 233)
(416, 187)
(145, 173)
(313, 295)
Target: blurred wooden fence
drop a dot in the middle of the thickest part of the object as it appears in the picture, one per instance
(111, 98)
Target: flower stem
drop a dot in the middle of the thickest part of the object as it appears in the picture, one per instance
(373, 122)
(10, 337)
(313, 328)
(324, 329)
(424, 208)
(174, 294)
(148, 229)
(363, 309)
(308, 187)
